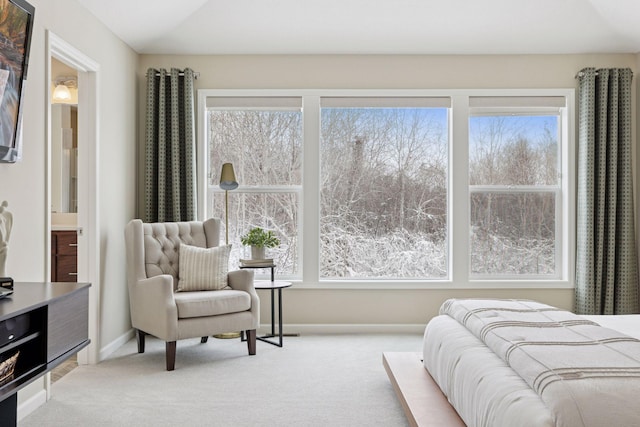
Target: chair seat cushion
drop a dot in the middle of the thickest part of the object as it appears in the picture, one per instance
(211, 303)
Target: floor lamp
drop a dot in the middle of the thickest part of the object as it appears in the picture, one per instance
(227, 182)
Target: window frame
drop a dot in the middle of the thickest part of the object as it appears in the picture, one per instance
(526, 111)
(260, 104)
(458, 186)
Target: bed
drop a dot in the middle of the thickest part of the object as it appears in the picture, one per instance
(520, 363)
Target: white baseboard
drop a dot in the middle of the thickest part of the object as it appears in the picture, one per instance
(332, 328)
(107, 350)
(31, 404)
(302, 328)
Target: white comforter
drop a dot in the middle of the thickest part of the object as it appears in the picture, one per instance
(521, 363)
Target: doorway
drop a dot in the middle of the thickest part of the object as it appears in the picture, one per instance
(64, 184)
(85, 70)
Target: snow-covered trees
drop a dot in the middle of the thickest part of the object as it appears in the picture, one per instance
(513, 177)
(384, 176)
(383, 193)
(265, 148)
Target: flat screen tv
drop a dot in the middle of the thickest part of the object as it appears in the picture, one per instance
(16, 25)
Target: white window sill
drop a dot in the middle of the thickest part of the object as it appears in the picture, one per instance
(432, 284)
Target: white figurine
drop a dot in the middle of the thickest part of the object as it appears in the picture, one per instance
(6, 222)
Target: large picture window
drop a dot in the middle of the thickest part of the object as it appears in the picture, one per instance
(383, 205)
(438, 188)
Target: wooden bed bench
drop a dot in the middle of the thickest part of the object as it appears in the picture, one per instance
(421, 398)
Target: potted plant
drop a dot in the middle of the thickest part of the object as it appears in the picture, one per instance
(259, 239)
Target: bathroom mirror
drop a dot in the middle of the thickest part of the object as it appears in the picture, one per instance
(64, 139)
(64, 158)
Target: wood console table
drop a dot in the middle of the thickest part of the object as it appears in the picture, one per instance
(47, 323)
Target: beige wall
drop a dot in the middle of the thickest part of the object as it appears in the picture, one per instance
(23, 184)
(117, 141)
(348, 306)
(385, 71)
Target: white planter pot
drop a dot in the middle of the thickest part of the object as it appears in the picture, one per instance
(257, 253)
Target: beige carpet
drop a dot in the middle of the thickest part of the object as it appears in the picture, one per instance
(314, 380)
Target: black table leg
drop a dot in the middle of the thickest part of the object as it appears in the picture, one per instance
(273, 323)
(280, 315)
(264, 338)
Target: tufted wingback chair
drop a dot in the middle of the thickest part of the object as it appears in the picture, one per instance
(157, 309)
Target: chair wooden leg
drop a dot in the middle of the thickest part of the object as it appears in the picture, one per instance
(140, 338)
(171, 355)
(204, 339)
(251, 341)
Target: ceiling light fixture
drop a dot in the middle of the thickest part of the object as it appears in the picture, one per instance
(61, 93)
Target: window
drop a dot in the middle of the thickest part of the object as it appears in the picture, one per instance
(383, 206)
(262, 138)
(411, 188)
(514, 186)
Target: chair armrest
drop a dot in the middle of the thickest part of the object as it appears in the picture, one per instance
(153, 307)
(156, 291)
(242, 280)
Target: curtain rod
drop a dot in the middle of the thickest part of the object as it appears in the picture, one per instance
(580, 74)
(195, 74)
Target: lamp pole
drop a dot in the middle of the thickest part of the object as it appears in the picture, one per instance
(226, 217)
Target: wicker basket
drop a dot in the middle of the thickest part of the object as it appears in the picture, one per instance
(7, 367)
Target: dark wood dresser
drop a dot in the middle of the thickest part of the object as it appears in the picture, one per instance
(46, 323)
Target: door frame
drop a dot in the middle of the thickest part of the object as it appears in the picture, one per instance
(88, 173)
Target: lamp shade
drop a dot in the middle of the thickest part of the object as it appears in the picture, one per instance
(228, 177)
(61, 93)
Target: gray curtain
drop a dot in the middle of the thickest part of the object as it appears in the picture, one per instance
(606, 261)
(170, 173)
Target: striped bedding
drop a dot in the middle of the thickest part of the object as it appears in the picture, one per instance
(522, 363)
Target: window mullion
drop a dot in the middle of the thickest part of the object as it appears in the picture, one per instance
(513, 188)
(310, 210)
(458, 224)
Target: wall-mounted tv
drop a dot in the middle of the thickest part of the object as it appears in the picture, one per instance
(16, 25)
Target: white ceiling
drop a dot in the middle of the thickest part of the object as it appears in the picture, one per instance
(373, 26)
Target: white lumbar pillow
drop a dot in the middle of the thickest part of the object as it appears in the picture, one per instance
(203, 269)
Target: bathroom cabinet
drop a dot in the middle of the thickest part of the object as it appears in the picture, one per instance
(64, 256)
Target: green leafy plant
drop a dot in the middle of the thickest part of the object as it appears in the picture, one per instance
(260, 238)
